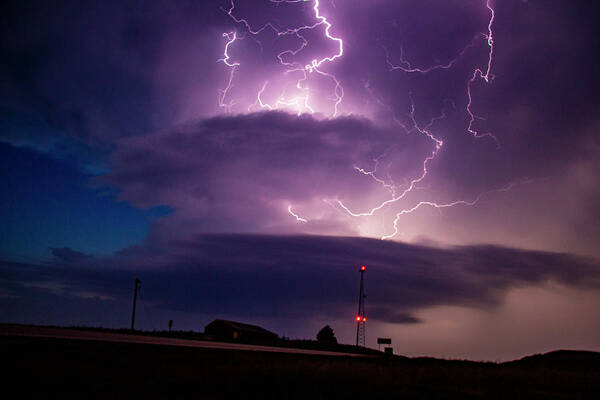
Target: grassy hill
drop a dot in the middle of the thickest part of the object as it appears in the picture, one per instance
(61, 368)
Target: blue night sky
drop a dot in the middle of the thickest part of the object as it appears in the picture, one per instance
(51, 202)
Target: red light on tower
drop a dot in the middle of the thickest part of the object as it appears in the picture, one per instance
(364, 319)
(363, 268)
(358, 318)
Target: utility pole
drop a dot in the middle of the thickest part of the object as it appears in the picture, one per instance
(135, 292)
(361, 318)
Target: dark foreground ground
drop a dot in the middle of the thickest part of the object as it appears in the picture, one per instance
(61, 368)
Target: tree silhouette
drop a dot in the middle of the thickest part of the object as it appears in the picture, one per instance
(326, 335)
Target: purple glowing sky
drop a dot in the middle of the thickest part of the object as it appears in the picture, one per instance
(448, 144)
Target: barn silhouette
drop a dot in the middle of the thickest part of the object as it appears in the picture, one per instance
(221, 329)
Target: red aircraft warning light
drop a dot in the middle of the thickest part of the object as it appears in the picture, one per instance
(364, 319)
(363, 268)
(358, 318)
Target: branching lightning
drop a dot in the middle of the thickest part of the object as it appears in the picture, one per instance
(437, 147)
(406, 66)
(302, 103)
(478, 73)
(445, 205)
(231, 38)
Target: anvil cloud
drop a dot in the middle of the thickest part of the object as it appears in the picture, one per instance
(242, 173)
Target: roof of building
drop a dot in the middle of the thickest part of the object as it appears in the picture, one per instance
(243, 327)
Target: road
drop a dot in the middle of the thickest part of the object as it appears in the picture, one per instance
(74, 334)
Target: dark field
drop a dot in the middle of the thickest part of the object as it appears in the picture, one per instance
(61, 368)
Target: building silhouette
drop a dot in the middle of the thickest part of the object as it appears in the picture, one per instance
(221, 329)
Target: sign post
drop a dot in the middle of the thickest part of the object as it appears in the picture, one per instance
(381, 341)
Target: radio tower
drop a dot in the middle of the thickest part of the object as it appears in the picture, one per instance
(361, 319)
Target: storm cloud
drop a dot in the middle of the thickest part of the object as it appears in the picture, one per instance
(294, 277)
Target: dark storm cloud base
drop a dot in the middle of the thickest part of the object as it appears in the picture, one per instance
(287, 277)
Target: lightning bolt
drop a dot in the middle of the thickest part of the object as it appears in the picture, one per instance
(302, 103)
(315, 66)
(486, 76)
(231, 38)
(298, 218)
(438, 143)
(478, 73)
(405, 66)
(259, 101)
(389, 186)
(447, 205)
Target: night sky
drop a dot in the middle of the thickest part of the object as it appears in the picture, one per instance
(245, 158)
